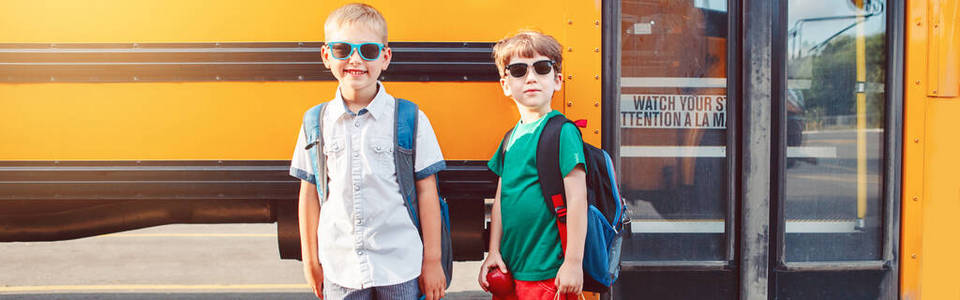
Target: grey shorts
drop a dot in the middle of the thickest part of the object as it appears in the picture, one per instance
(404, 291)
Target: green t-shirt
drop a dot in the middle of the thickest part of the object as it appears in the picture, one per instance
(530, 245)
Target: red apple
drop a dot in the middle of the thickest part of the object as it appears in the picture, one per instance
(501, 284)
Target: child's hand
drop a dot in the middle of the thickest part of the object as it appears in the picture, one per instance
(493, 261)
(314, 275)
(433, 282)
(570, 278)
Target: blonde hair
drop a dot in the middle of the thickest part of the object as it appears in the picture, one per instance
(527, 43)
(356, 14)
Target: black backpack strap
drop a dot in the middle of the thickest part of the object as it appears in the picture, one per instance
(548, 171)
(503, 147)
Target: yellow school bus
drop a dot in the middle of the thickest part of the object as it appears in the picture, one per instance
(766, 149)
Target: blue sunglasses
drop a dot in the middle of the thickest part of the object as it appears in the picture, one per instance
(343, 50)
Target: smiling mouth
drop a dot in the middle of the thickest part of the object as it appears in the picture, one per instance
(531, 90)
(355, 72)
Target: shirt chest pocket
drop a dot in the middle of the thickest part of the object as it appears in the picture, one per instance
(333, 150)
(380, 153)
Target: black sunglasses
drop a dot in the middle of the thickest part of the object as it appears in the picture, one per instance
(519, 70)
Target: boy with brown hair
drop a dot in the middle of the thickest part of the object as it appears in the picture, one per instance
(524, 237)
(362, 244)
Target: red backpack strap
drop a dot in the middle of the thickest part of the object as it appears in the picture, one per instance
(551, 179)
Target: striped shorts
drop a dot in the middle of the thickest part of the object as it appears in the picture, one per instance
(404, 291)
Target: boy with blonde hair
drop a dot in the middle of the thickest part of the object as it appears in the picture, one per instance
(357, 239)
(524, 237)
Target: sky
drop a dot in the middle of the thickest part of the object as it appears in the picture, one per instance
(815, 32)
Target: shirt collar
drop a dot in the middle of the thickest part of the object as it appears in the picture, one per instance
(381, 104)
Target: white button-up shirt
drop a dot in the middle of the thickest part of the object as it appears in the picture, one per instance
(365, 237)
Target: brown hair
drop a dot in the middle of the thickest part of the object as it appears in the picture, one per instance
(527, 43)
(356, 14)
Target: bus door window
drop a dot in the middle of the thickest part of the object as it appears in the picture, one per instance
(834, 103)
(673, 129)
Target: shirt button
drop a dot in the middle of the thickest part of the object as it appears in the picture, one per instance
(356, 124)
(356, 154)
(356, 187)
(359, 252)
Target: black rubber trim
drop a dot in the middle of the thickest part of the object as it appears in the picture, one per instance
(266, 61)
(169, 179)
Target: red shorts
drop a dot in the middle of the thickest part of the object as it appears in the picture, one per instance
(536, 290)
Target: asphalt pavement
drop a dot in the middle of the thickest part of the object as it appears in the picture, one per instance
(217, 261)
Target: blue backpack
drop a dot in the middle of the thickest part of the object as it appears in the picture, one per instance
(405, 130)
(606, 209)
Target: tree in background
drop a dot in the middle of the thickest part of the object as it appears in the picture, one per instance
(833, 70)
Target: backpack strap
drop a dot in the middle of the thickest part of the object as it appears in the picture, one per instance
(320, 159)
(503, 146)
(405, 153)
(551, 179)
(407, 113)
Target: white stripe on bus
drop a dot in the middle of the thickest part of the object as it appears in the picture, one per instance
(716, 151)
(718, 226)
(673, 82)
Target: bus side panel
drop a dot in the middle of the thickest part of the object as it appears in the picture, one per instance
(219, 120)
(930, 193)
(581, 39)
(116, 21)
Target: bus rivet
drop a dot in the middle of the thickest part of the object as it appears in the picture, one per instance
(916, 140)
(570, 77)
(570, 22)
(570, 104)
(570, 49)
(913, 256)
(917, 82)
(915, 198)
(596, 50)
(934, 92)
(596, 22)
(596, 76)
(596, 104)
(596, 131)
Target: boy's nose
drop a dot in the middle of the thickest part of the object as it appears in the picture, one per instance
(530, 77)
(355, 57)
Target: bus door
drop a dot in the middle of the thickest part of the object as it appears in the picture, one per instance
(690, 157)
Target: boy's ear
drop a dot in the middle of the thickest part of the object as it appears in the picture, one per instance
(387, 56)
(324, 55)
(559, 82)
(505, 86)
